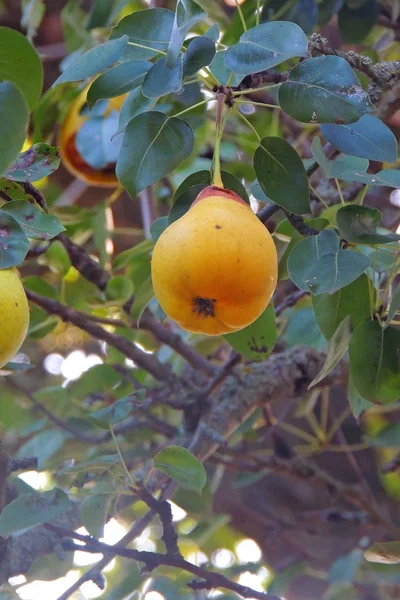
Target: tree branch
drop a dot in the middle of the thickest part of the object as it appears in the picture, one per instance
(152, 560)
(145, 361)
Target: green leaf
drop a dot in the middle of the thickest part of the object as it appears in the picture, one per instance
(357, 403)
(191, 187)
(20, 64)
(100, 14)
(340, 591)
(14, 123)
(128, 256)
(13, 243)
(39, 161)
(256, 341)
(324, 90)
(150, 28)
(34, 223)
(162, 80)
(281, 174)
(33, 509)
(353, 168)
(359, 223)
(157, 227)
(143, 294)
(94, 61)
(265, 46)
(318, 265)
(187, 14)
(32, 15)
(282, 579)
(337, 348)
(134, 105)
(73, 20)
(383, 552)
(123, 587)
(44, 446)
(58, 258)
(368, 138)
(394, 305)
(118, 80)
(374, 362)
(352, 300)
(221, 71)
(106, 147)
(119, 288)
(199, 53)
(355, 22)
(116, 412)
(184, 468)
(153, 146)
(94, 508)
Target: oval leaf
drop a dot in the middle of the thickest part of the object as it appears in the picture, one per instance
(161, 80)
(318, 265)
(149, 29)
(187, 14)
(281, 174)
(34, 223)
(13, 243)
(134, 105)
(39, 161)
(359, 223)
(14, 117)
(184, 468)
(118, 80)
(153, 146)
(200, 52)
(265, 46)
(20, 63)
(258, 339)
(374, 362)
(353, 300)
(33, 509)
(324, 90)
(368, 138)
(94, 508)
(94, 61)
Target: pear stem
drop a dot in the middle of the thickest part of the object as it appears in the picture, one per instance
(220, 124)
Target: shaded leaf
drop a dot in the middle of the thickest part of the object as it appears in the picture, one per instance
(357, 403)
(21, 65)
(134, 105)
(150, 29)
(187, 14)
(116, 412)
(256, 341)
(221, 71)
(388, 437)
(184, 468)
(352, 300)
(337, 348)
(33, 509)
(265, 46)
(355, 21)
(368, 137)
(14, 116)
(153, 146)
(34, 223)
(143, 294)
(323, 90)
(374, 362)
(157, 227)
(318, 265)
(94, 61)
(126, 257)
(44, 446)
(281, 175)
(162, 80)
(359, 223)
(14, 245)
(394, 305)
(94, 508)
(118, 80)
(96, 141)
(199, 53)
(100, 14)
(344, 569)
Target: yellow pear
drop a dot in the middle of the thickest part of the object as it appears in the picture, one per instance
(14, 315)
